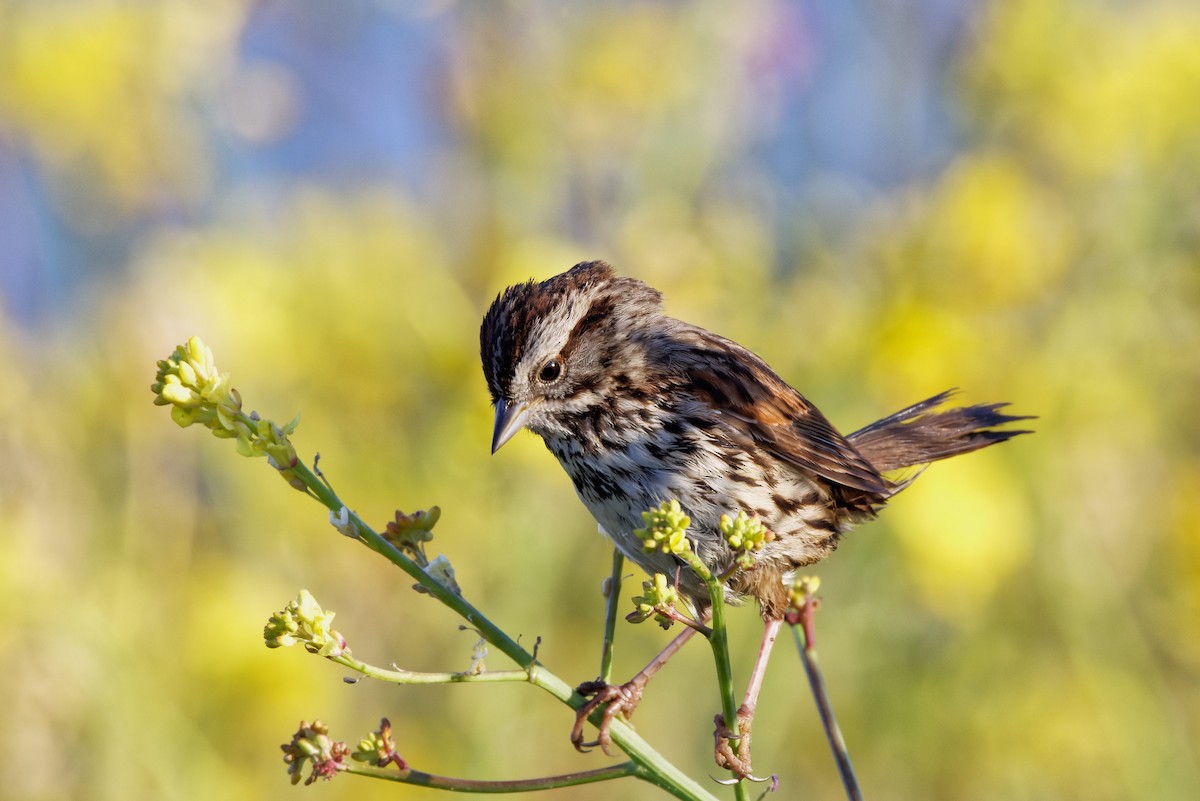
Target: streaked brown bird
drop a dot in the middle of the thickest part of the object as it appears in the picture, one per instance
(641, 408)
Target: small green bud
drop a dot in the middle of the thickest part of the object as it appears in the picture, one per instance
(187, 374)
(180, 395)
(658, 599)
(666, 529)
(379, 749)
(281, 629)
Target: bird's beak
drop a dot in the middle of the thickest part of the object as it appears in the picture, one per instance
(509, 420)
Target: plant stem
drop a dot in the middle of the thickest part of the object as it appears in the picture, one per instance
(720, 648)
(816, 681)
(488, 630)
(503, 786)
(610, 616)
(718, 639)
(652, 766)
(400, 676)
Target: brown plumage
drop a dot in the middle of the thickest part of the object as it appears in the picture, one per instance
(641, 408)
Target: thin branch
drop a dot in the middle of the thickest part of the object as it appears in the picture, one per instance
(719, 641)
(502, 786)
(806, 644)
(610, 616)
(401, 676)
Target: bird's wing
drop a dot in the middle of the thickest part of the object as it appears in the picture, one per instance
(769, 414)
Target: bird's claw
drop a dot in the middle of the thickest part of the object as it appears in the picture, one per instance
(615, 699)
(738, 762)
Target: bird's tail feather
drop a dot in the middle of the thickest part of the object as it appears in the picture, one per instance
(919, 435)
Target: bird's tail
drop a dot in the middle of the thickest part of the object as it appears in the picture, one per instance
(919, 435)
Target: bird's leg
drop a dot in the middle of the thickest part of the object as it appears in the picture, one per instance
(623, 698)
(739, 761)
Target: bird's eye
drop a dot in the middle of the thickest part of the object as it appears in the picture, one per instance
(550, 371)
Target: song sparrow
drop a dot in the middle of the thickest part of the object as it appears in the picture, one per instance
(641, 408)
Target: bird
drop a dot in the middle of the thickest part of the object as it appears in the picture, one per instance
(641, 408)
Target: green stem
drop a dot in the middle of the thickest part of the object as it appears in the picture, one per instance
(488, 630)
(399, 676)
(719, 641)
(720, 647)
(816, 681)
(653, 767)
(504, 786)
(610, 616)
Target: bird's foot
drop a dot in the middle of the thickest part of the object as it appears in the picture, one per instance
(726, 741)
(616, 699)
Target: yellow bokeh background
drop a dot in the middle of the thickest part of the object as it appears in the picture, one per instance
(1022, 623)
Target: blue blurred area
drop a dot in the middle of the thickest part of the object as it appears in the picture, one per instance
(369, 104)
(836, 101)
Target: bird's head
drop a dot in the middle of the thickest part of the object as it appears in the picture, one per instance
(549, 347)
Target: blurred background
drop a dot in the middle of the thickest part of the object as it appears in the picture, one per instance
(883, 199)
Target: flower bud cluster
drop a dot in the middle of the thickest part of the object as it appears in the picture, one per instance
(658, 599)
(745, 535)
(304, 621)
(379, 749)
(189, 383)
(312, 744)
(801, 590)
(666, 529)
(410, 532)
